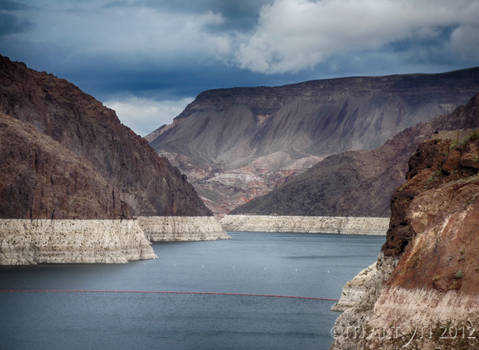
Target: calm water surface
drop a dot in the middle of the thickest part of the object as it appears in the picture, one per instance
(286, 264)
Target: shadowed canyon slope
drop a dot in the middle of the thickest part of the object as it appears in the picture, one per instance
(357, 183)
(237, 144)
(99, 150)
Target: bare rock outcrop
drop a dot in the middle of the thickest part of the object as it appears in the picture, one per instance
(40, 178)
(182, 228)
(40, 241)
(306, 224)
(145, 182)
(357, 300)
(430, 299)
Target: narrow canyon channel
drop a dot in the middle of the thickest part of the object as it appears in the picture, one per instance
(105, 306)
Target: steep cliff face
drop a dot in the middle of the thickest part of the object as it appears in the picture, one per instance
(72, 176)
(430, 299)
(357, 183)
(148, 184)
(40, 178)
(236, 144)
(435, 217)
(437, 241)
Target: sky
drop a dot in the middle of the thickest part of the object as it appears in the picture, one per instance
(148, 59)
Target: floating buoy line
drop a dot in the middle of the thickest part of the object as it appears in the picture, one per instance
(109, 291)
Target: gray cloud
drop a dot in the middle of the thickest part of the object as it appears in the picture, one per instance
(130, 36)
(267, 36)
(298, 34)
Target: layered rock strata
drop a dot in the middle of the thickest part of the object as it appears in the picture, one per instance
(430, 300)
(240, 143)
(27, 242)
(356, 183)
(181, 228)
(306, 224)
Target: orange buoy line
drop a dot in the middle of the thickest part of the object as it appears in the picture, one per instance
(158, 292)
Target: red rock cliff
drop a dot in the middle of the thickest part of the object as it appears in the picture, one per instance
(430, 298)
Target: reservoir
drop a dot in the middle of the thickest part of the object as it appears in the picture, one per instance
(280, 264)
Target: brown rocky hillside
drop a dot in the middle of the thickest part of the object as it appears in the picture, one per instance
(424, 288)
(136, 175)
(41, 178)
(434, 233)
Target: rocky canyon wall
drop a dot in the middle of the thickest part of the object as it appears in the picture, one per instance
(65, 156)
(145, 182)
(427, 296)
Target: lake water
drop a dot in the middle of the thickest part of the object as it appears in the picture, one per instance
(260, 263)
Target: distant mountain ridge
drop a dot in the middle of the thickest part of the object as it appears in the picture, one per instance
(240, 143)
(358, 183)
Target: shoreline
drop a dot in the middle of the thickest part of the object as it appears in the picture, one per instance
(60, 241)
(98, 241)
(375, 226)
(181, 228)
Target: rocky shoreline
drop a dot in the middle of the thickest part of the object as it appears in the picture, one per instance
(59, 241)
(181, 228)
(357, 302)
(306, 224)
(40, 241)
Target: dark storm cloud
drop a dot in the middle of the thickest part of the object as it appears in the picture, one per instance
(145, 50)
(239, 15)
(12, 24)
(275, 37)
(11, 5)
(164, 83)
(9, 21)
